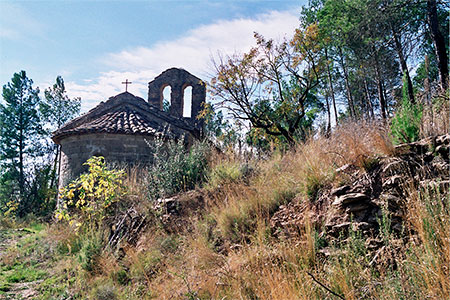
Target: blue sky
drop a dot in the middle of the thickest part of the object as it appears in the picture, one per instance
(95, 45)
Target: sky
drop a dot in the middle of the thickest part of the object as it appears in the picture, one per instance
(96, 45)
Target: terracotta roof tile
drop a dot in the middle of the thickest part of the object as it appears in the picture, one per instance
(125, 114)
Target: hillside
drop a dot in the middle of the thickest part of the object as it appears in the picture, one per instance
(345, 217)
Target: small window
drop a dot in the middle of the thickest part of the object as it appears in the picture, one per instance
(187, 102)
(167, 98)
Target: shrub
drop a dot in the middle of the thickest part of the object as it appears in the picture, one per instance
(223, 173)
(90, 251)
(105, 291)
(405, 127)
(93, 192)
(176, 168)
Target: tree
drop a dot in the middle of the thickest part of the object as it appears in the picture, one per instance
(271, 86)
(217, 129)
(439, 42)
(57, 109)
(20, 129)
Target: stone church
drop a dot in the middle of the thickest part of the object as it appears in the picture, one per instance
(121, 127)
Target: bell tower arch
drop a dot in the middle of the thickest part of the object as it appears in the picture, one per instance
(179, 80)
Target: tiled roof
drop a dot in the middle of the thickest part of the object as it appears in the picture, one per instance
(125, 114)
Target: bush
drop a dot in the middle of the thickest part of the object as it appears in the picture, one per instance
(90, 252)
(92, 193)
(176, 168)
(223, 173)
(105, 291)
(405, 127)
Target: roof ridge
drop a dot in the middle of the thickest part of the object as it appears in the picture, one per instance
(123, 113)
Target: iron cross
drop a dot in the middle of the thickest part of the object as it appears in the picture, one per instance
(126, 82)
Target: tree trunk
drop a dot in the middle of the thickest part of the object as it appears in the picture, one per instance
(401, 57)
(439, 43)
(380, 86)
(369, 101)
(328, 129)
(21, 150)
(347, 85)
(330, 82)
(54, 170)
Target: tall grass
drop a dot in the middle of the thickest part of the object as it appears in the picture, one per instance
(229, 252)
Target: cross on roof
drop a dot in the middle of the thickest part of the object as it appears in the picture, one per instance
(126, 82)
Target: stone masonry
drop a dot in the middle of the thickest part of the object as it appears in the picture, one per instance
(121, 128)
(178, 80)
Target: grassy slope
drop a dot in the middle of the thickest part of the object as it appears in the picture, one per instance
(229, 252)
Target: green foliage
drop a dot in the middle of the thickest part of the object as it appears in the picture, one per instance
(217, 128)
(272, 85)
(224, 173)
(20, 130)
(58, 108)
(90, 251)
(176, 168)
(405, 125)
(427, 71)
(121, 276)
(23, 273)
(92, 193)
(166, 105)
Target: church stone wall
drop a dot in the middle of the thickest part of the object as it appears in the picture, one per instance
(116, 148)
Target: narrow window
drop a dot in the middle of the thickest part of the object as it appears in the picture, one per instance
(187, 102)
(167, 101)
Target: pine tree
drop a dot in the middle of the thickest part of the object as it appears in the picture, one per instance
(57, 108)
(20, 130)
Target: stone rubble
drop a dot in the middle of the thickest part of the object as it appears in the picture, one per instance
(360, 204)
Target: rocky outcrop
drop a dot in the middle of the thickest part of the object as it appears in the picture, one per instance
(368, 195)
(174, 212)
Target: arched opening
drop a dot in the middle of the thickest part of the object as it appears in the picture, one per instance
(187, 102)
(167, 98)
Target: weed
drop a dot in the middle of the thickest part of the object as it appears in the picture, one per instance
(90, 251)
(175, 168)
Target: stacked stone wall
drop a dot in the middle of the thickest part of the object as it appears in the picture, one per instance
(116, 148)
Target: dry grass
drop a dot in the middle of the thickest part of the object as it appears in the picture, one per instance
(435, 117)
(429, 258)
(230, 253)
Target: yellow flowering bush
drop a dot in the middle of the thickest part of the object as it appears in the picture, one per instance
(92, 193)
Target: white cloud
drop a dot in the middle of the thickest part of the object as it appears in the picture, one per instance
(17, 24)
(192, 52)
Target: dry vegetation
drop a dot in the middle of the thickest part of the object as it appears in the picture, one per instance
(228, 250)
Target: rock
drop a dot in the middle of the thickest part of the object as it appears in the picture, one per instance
(357, 208)
(360, 226)
(402, 149)
(341, 226)
(343, 168)
(393, 181)
(169, 205)
(340, 190)
(440, 166)
(419, 147)
(443, 139)
(362, 201)
(349, 198)
(391, 199)
(394, 166)
(443, 150)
